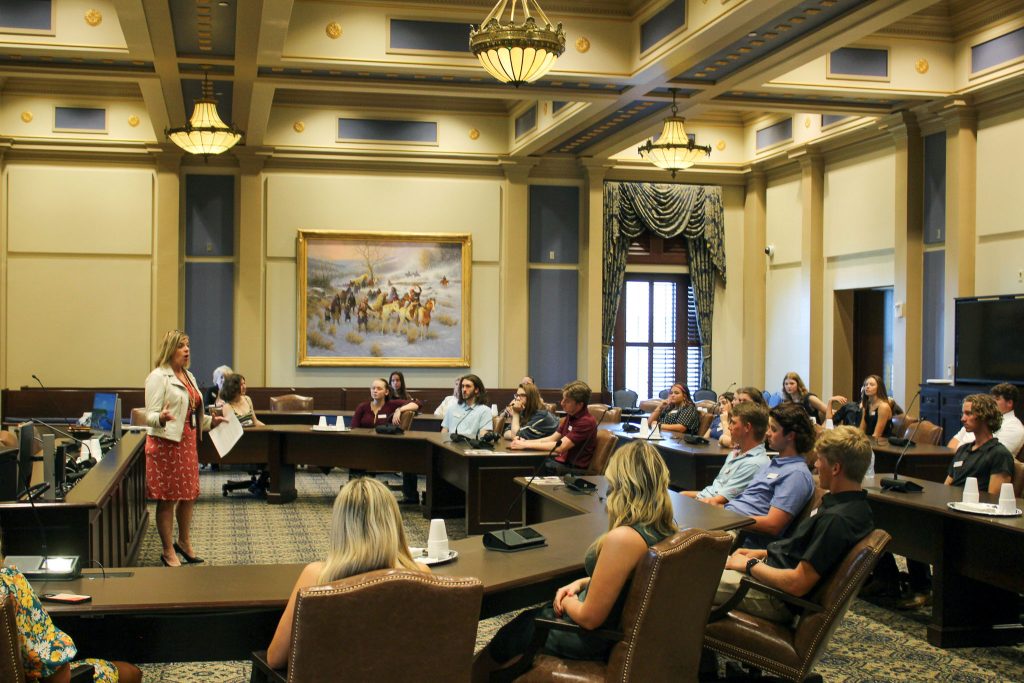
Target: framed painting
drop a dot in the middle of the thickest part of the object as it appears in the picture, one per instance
(388, 299)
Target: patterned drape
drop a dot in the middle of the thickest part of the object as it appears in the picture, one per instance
(667, 210)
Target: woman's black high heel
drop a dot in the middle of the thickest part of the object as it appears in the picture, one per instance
(189, 559)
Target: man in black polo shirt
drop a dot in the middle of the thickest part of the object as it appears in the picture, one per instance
(819, 543)
(986, 458)
(575, 436)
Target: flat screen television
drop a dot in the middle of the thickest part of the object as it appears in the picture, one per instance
(990, 340)
(103, 409)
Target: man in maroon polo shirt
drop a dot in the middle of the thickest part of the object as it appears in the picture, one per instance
(573, 442)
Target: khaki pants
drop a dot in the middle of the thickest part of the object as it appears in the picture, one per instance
(754, 602)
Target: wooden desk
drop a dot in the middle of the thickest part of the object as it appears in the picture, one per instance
(976, 562)
(155, 614)
(103, 519)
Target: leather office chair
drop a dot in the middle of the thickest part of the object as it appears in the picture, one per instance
(903, 425)
(1018, 478)
(610, 415)
(705, 395)
(11, 667)
(422, 626)
(792, 651)
(291, 402)
(603, 450)
(624, 398)
(8, 439)
(705, 423)
(138, 417)
(926, 432)
(405, 420)
(662, 621)
(649, 404)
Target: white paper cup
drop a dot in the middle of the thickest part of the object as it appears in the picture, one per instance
(437, 550)
(1007, 501)
(339, 423)
(971, 490)
(438, 532)
(322, 424)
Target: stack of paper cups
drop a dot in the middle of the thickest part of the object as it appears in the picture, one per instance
(322, 424)
(645, 428)
(339, 423)
(1007, 502)
(971, 490)
(437, 541)
(494, 410)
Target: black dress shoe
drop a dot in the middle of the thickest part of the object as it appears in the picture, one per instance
(190, 559)
(164, 561)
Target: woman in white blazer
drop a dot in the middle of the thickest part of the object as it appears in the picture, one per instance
(175, 421)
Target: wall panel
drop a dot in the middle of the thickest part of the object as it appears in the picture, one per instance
(79, 210)
(783, 215)
(860, 204)
(787, 326)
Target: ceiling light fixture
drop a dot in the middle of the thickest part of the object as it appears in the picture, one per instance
(674, 150)
(205, 133)
(517, 53)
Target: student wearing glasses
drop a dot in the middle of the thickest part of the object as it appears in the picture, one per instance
(528, 419)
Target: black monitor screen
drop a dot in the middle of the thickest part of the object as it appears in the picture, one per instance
(26, 445)
(989, 333)
(103, 411)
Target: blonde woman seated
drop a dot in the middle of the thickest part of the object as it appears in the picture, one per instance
(233, 394)
(366, 534)
(528, 419)
(639, 515)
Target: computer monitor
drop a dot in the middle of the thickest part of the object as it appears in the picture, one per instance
(26, 444)
(104, 412)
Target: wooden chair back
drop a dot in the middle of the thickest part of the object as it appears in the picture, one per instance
(11, 666)
(604, 414)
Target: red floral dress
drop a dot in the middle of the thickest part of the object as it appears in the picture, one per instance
(172, 468)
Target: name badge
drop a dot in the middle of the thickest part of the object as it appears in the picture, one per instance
(773, 475)
(958, 463)
(814, 512)
(570, 429)
(193, 420)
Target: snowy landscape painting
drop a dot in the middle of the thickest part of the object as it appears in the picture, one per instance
(383, 298)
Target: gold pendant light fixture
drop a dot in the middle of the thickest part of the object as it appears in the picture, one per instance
(205, 133)
(674, 150)
(513, 52)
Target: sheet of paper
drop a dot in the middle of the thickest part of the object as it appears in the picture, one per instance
(227, 433)
(547, 481)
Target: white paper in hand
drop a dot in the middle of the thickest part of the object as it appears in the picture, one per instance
(227, 433)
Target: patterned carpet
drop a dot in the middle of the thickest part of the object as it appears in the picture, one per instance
(873, 644)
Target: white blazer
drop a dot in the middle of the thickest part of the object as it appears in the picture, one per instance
(163, 389)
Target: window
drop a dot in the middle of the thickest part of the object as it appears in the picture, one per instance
(656, 341)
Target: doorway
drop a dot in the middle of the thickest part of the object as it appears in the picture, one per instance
(863, 338)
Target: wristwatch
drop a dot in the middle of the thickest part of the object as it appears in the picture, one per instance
(750, 564)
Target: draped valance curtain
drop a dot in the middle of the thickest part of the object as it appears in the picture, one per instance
(667, 210)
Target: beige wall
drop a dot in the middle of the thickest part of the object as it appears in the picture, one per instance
(786, 300)
(77, 289)
(1000, 220)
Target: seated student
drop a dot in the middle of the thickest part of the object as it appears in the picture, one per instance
(527, 417)
(220, 373)
(794, 391)
(449, 401)
(721, 421)
(47, 653)
(747, 424)
(743, 395)
(366, 534)
(371, 413)
(232, 393)
(781, 489)
(677, 412)
(1011, 431)
(796, 563)
(639, 515)
(400, 392)
(574, 441)
(471, 416)
(984, 458)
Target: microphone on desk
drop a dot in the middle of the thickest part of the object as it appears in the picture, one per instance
(509, 540)
(897, 484)
(82, 442)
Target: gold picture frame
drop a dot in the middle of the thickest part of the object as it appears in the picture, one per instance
(383, 299)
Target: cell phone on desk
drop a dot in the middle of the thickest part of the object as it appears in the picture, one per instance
(66, 598)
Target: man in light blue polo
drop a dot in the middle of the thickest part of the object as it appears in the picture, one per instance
(471, 417)
(781, 489)
(747, 425)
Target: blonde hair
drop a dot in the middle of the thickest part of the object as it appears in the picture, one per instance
(638, 490)
(366, 532)
(172, 340)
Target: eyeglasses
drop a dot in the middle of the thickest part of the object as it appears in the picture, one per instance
(520, 395)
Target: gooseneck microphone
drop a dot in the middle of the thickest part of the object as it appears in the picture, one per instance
(897, 484)
(80, 442)
(510, 540)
